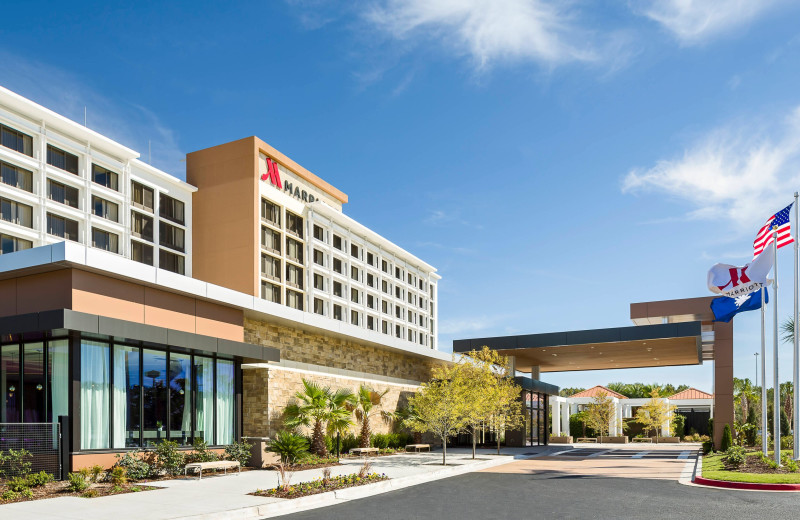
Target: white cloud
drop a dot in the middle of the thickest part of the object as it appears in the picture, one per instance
(741, 174)
(695, 21)
(495, 30)
(64, 93)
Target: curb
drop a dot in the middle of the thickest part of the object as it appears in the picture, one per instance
(286, 506)
(699, 480)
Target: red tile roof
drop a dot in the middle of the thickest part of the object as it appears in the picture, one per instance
(592, 392)
(690, 393)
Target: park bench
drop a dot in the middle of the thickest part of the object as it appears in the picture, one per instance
(586, 439)
(217, 464)
(364, 451)
(642, 439)
(418, 447)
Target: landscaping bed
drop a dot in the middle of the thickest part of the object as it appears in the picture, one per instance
(753, 470)
(303, 465)
(321, 485)
(62, 489)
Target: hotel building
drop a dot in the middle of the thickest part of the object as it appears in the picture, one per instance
(141, 307)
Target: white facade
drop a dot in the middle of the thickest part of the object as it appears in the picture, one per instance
(61, 181)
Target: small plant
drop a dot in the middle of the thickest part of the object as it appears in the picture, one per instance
(9, 495)
(118, 476)
(380, 441)
(201, 452)
(77, 482)
(26, 493)
(19, 462)
(136, 467)
(17, 484)
(239, 451)
(289, 446)
(90, 493)
(326, 476)
(117, 489)
(284, 476)
(365, 469)
(95, 472)
(168, 459)
(727, 438)
(39, 479)
(735, 456)
(707, 447)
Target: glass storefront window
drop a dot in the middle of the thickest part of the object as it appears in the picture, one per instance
(10, 383)
(225, 401)
(154, 391)
(204, 402)
(127, 397)
(95, 395)
(58, 378)
(33, 394)
(180, 398)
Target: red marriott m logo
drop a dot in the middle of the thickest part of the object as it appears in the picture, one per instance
(272, 174)
(737, 276)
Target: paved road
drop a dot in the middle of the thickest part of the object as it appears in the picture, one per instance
(521, 490)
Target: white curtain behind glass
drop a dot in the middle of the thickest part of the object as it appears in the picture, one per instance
(94, 395)
(59, 386)
(205, 397)
(120, 394)
(224, 402)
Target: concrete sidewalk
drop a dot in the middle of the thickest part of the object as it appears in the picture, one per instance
(222, 497)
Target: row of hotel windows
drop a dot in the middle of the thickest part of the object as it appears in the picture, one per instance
(371, 322)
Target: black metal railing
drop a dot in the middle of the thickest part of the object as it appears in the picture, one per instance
(41, 440)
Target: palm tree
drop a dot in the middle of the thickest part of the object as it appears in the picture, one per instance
(406, 417)
(365, 404)
(321, 407)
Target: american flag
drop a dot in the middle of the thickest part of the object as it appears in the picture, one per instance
(764, 236)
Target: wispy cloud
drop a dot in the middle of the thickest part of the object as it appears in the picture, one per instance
(472, 324)
(694, 22)
(124, 121)
(444, 218)
(491, 31)
(741, 172)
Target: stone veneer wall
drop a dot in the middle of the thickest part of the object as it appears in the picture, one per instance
(267, 391)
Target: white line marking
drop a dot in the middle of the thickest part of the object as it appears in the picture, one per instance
(598, 454)
(684, 455)
(640, 455)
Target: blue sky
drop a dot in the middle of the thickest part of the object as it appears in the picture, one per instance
(555, 161)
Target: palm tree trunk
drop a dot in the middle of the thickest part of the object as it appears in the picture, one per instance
(318, 440)
(365, 433)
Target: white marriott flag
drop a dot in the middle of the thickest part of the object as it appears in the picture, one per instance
(733, 281)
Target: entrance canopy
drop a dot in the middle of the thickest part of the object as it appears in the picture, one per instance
(624, 347)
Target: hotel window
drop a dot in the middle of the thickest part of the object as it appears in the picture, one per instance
(384, 266)
(16, 213)
(337, 312)
(398, 312)
(410, 279)
(16, 176)
(370, 259)
(271, 212)
(294, 299)
(141, 226)
(385, 287)
(105, 240)
(142, 196)
(370, 323)
(271, 268)
(270, 292)
(370, 280)
(354, 250)
(319, 257)
(421, 285)
(271, 239)
(319, 233)
(171, 262)
(337, 289)
(398, 273)
(62, 160)
(398, 292)
(105, 209)
(385, 326)
(62, 193)
(370, 301)
(294, 224)
(171, 209)
(171, 236)
(9, 244)
(384, 307)
(105, 177)
(398, 331)
(62, 227)
(319, 307)
(354, 318)
(141, 252)
(319, 282)
(16, 140)
(294, 250)
(294, 276)
(337, 242)
(410, 298)
(410, 317)
(354, 272)
(337, 266)
(354, 295)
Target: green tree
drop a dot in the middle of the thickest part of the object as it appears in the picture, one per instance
(438, 408)
(600, 413)
(654, 414)
(727, 438)
(569, 392)
(320, 408)
(784, 424)
(366, 404)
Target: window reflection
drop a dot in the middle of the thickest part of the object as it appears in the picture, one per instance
(180, 411)
(154, 396)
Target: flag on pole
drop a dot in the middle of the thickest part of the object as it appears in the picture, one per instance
(731, 281)
(764, 236)
(725, 308)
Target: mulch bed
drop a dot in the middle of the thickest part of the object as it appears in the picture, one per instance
(315, 487)
(60, 489)
(301, 467)
(754, 464)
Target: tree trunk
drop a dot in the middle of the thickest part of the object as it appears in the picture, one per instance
(474, 440)
(365, 433)
(444, 450)
(498, 442)
(318, 441)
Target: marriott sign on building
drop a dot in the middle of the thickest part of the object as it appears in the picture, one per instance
(139, 307)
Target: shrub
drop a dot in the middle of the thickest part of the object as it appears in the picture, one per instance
(168, 459)
(349, 442)
(90, 493)
(201, 452)
(239, 451)
(578, 425)
(711, 426)
(707, 446)
(18, 462)
(118, 476)
(17, 484)
(39, 479)
(379, 440)
(135, 466)
(95, 472)
(735, 456)
(787, 442)
(678, 424)
(9, 495)
(400, 440)
(311, 458)
(727, 438)
(77, 482)
(784, 423)
(289, 446)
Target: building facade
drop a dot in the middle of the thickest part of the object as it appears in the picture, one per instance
(140, 307)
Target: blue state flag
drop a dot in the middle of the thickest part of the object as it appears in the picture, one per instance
(725, 308)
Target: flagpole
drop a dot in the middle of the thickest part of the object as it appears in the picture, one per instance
(764, 429)
(776, 394)
(796, 360)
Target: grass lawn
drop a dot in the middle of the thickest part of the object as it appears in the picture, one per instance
(713, 468)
